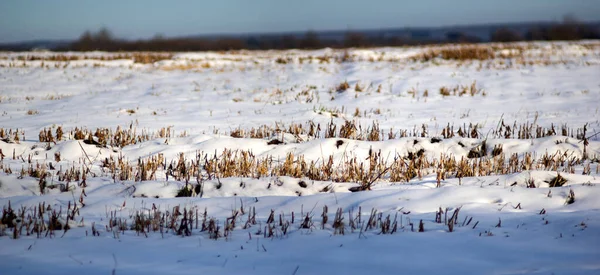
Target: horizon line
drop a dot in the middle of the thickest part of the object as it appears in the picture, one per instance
(347, 30)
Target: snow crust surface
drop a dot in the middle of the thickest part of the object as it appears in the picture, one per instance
(206, 96)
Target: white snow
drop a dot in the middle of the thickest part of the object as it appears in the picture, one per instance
(203, 97)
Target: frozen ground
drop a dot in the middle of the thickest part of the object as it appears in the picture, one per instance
(204, 104)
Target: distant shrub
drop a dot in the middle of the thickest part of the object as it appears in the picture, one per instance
(355, 39)
(569, 29)
(310, 41)
(461, 37)
(506, 35)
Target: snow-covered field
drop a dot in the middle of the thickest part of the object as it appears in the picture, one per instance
(429, 160)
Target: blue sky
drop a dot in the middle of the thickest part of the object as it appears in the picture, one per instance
(66, 19)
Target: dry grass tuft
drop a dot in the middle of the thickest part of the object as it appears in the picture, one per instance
(557, 181)
(343, 86)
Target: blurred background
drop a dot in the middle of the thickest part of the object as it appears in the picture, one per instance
(150, 25)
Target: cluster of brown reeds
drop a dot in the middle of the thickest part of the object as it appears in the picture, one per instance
(41, 221)
(531, 130)
(137, 57)
(481, 161)
(461, 90)
(351, 129)
(497, 56)
(468, 52)
(104, 137)
(11, 136)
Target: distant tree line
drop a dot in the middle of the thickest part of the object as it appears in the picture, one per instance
(104, 40)
(569, 29)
